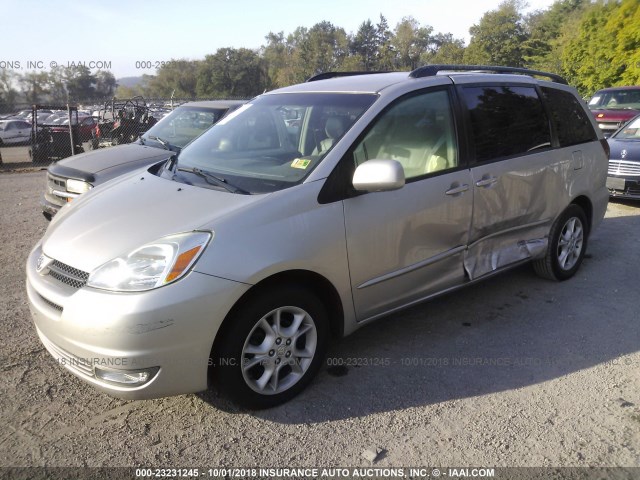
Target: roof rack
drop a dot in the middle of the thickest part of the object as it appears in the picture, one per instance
(432, 70)
(326, 75)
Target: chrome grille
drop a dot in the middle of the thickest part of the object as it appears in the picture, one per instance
(623, 167)
(68, 275)
(56, 182)
(67, 359)
(55, 185)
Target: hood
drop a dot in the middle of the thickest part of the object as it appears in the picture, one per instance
(84, 165)
(621, 115)
(631, 149)
(129, 212)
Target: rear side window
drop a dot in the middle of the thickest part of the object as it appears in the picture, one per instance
(568, 118)
(506, 121)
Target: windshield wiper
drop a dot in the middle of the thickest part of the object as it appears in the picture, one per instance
(214, 180)
(162, 142)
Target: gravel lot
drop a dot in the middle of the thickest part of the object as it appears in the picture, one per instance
(516, 371)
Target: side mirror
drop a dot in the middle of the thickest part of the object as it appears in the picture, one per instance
(378, 176)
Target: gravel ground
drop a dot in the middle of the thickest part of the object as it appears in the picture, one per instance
(515, 371)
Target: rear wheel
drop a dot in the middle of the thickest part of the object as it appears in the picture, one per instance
(567, 246)
(274, 346)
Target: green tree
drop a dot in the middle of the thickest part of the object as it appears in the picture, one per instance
(410, 42)
(323, 49)
(8, 94)
(123, 91)
(624, 24)
(386, 54)
(231, 73)
(176, 77)
(57, 85)
(364, 46)
(276, 56)
(80, 83)
(548, 32)
(445, 50)
(498, 38)
(105, 85)
(586, 58)
(35, 86)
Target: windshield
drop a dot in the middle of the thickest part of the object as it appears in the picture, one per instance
(616, 100)
(631, 131)
(275, 141)
(183, 125)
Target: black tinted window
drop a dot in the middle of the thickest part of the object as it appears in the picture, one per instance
(506, 121)
(568, 117)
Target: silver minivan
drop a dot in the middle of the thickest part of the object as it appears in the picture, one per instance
(307, 213)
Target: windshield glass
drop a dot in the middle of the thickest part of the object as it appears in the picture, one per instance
(183, 125)
(275, 141)
(616, 100)
(631, 131)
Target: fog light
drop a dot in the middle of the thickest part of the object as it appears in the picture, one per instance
(128, 378)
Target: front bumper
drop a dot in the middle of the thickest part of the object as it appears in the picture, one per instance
(52, 202)
(608, 128)
(620, 187)
(55, 196)
(169, 330)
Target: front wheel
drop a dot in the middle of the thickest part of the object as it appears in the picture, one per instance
(567, 246)
(273, 347)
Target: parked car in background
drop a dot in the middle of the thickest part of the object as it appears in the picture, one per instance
(624, 162)
(73, 176)
(14, 131)
(235, 263)
(85, 126)
(613, 107)
(122, 121)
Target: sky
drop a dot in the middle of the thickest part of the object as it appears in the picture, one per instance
(131, 38)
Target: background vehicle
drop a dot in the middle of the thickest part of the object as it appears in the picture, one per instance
(122, 121)
(613, 107)
(85, 126)
(624, 162)
(14, 131)
(69, 178)
(56, 140)
(237, 260)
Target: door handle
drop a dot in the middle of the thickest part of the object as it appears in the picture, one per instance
(456, 190)
(486, 181)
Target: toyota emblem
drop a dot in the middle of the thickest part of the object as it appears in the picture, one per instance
(42, 264)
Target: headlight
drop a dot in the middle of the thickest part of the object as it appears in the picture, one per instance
(78, 186)
(152, 265)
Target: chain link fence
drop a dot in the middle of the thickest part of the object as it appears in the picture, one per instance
(37, 135)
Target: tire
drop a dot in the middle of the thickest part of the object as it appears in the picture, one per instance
(263, 359)
(567, 246)
(117, 140)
